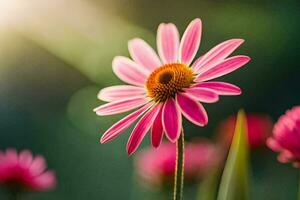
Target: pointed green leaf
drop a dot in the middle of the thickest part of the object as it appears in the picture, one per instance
(234, 182)
(209, 186)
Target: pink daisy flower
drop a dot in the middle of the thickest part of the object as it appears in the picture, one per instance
(156, 167)
(286, 137)
(259, 129)
(24, 172)
(167, 86)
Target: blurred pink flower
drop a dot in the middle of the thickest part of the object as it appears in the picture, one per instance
(259, 129)
(23, 172)
(157, 166)
(286, 137)
(167, 85)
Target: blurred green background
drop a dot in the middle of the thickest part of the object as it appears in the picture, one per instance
(56, 55)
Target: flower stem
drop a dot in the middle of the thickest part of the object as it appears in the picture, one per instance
(179, 168)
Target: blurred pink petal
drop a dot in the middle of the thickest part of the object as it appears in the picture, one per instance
(259, 128)
(141, 129)
(120, 106)
(25, 158)
(171, 120)
(143, 54)
(38, 165)
(190, 41)
(45, 181)
(225, 67)
(156, 167)
(286, 137)
(23, 172)
(168, 42)
(192, 110)
(216, 55)
(221, 88)
(117, 92)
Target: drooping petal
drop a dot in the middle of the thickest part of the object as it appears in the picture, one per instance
(120, 106)
(168, 42)
(192, 110)
(25, 158)
(123, 124)
(171, 120)
(143, 54)
(202, 94)
(118, 92)
(216, 55)
(157, 130)
(141, 129)
(221, 88)
(190, 41)
(128, 71)
(223, 68)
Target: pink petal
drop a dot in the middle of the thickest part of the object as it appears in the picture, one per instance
(221, 88)
(202, 94)
(223, 68)
(38, 165)
(118, 92)
(171, 120)
(168, 42)
(190, 41)
(45, 181)
(157, 130)
(192, 110)
(120, 106)
(143, 54)
(141, 129)
(11, 156)
(216, 55)
(2, 157)
(128, 71)
(123, 124)
(25, 158)
(273, 144)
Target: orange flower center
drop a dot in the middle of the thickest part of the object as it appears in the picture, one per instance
(169, 79)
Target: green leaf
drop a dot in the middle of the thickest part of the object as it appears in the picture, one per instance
(209, 185)
(234, 183)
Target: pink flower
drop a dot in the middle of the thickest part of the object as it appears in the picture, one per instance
(157, 166)
(164, 87)
(259, 129)
(23, 172)
(286, 137)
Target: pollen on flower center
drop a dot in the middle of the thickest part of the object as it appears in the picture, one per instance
(167, 80)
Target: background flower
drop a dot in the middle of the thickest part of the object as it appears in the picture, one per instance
(286, 137)
(259, 129)
(23, 172)
(156, 167)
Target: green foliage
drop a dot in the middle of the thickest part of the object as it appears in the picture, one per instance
(234, 183)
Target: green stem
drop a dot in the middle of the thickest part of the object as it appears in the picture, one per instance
(179, 169)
